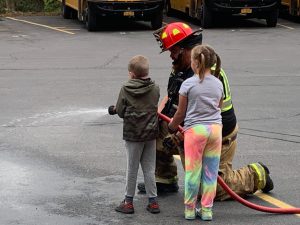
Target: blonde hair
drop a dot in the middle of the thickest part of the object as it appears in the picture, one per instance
(205, 58)
(139, 65)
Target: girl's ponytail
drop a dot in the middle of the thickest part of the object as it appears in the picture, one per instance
(201, 66)
(218, 66)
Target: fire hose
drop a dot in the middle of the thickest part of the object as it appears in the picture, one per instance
(237, 197)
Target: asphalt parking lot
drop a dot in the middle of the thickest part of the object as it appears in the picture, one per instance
(62, 156)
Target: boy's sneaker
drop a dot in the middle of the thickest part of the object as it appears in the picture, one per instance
(153, 207)
(206, 214)
(125, 207)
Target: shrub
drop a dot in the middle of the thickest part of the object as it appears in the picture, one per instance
(32, 5)
(52, 5)
(2, 6)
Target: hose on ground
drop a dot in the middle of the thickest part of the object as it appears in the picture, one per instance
(237, 197)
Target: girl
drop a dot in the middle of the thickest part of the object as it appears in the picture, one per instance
(200, 101)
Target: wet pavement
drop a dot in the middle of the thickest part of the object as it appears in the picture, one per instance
(62, 157)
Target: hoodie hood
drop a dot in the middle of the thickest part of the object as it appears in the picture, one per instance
(138, 87)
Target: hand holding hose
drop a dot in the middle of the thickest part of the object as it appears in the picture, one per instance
(171, 129)
(112, 110)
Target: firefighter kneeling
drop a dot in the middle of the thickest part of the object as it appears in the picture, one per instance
(179, 39)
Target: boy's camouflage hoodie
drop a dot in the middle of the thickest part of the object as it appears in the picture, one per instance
(137, 105)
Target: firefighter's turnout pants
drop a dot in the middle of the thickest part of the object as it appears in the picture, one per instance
(241, 181)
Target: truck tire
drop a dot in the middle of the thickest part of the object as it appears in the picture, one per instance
(156, 21)
(66, 11)
(169, 10)
(90, 18)
(206, 16)
(272, 18)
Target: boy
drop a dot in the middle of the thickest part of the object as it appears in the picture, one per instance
(137, 105)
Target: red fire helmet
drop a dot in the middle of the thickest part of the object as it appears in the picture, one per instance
(172, 34)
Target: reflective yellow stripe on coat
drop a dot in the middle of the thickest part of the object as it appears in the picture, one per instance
(227, 103)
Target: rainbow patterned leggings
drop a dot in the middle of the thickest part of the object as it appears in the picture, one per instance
(202, 149)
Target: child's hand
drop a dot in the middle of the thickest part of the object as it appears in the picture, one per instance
(112, 110)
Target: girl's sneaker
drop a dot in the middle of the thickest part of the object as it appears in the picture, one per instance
(206, 214)
(153, 207)
(125, 207)
(189, 214)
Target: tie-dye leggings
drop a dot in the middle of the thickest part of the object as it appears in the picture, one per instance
(202, 147)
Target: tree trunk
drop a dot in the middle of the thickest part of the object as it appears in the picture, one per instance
(11, 5)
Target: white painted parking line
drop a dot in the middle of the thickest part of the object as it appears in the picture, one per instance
(66, 28)
(71, 29)
(291, 28)
(41, 25)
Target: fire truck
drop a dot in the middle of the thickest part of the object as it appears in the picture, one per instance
(92, 12)
(207, 11)
(292, 6)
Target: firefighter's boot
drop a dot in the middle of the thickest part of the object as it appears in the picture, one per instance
(263, 180)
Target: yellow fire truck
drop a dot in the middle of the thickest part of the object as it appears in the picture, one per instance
(93, 11)
(292, 6)
(206, 11)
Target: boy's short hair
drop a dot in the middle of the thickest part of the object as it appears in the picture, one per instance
(139, 65)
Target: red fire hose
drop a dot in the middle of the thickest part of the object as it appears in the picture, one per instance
(237, 197)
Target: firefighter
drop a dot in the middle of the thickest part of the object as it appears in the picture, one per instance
(178, 38)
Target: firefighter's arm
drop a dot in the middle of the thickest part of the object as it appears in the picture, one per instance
(162, 103)
(179, 115)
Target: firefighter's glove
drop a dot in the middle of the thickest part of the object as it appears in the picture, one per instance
(171, 131)
(168, 143)
(173, 142)
(112, 110)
